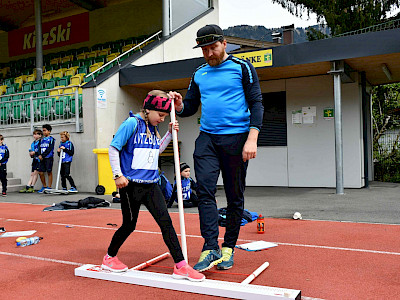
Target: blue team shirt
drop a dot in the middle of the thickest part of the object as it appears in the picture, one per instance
(226, 92)
(66, 157)
(4, 153)
(186, 188)
(138, 154)
(47, 143)
(35, 147)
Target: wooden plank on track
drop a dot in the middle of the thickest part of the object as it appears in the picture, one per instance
(206, 287)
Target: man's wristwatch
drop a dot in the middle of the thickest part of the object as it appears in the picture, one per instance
(116, 176)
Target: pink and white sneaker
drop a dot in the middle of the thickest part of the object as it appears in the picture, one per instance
(187, 272)
(113, 264)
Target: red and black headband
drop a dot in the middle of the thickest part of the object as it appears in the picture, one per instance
(158, 103)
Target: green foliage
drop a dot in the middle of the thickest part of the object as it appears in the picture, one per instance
(386, 131)
(342, 16)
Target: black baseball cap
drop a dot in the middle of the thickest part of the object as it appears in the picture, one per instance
(208, 35)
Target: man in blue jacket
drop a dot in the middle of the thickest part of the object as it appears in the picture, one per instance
(231, 117)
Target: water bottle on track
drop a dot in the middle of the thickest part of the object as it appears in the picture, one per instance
(29, 241)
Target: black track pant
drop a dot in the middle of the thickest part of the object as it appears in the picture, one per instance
(65, 174)
(3, 176)
(132, 196)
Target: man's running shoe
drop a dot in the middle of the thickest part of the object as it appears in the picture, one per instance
(41, 191)
(208, 259)
(4, 194)
(73, 190)
(227, 259)
(30, 190)
(187, 272)
(24, 190)
(113, 264)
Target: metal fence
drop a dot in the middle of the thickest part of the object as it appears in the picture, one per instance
(387, 156)
(57, 105)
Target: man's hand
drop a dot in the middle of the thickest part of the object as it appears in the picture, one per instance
(177, 100)
(250, 147)
(40, 157)
(121, 182)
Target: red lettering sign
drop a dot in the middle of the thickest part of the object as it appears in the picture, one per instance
(57, 33)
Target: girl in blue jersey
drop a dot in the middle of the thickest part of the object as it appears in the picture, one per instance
(133, 155)
(46, 156)
(68, 151)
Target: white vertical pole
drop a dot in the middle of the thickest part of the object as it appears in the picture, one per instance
(338, 134)
(178, 183)
(59, 168)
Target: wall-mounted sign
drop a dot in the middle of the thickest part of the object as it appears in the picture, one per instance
(329, 113)
(101, 98)
(57, 33)
(261, 58)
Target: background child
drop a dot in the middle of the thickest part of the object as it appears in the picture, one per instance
(4, 155)
(189, 188)
(165, 186)
(68, 151)
(133, 155)
(46, 156)
(30, 187)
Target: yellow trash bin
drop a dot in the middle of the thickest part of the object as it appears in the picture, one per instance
(106, 180)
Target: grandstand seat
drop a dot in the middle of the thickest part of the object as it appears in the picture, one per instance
(67, 58)
(77, 79)
(112, 56)
(106, 68)
(27, 108)
(16, 97)
(92, 54)
(95, 66)
(48, 75)
(66, 65)
(116, 49)
(9, 81)
(17, 110)
(45, 107)
(12, 89)
(39, 85)
(27, 87)
(55, 61)
(55, 93)
(20, 80)
(64, 81)
(3, 89)
(61, 106)
(5, 109)
(31, 77)
(69, 91)
(76, 63)
(100, 59)
(50, 84)
(71, 71)
(28, 96)
(72, 105)
(59, 73)
(83, 69)
(127, 47)
(104, 52)
(82, 55)
(5, 98)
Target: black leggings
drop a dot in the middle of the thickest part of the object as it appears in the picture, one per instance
(132, 196)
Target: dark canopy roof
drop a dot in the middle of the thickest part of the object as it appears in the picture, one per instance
(363, 53)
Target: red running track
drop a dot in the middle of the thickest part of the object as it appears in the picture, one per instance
(325, 260)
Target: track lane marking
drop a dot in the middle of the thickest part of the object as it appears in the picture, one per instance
(220, 238)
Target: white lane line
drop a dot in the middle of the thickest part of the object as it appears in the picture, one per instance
(65, 262)
(221, 238)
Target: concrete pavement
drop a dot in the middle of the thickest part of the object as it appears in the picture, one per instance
(380, 203)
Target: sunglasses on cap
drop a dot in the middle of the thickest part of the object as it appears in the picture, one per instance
(209, 38)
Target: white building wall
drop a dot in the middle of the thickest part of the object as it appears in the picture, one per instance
(311, 147)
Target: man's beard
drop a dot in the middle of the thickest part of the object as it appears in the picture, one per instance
(215, 60)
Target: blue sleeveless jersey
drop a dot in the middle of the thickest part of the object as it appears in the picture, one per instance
(138, 154)
(67, 157)
(35, 148)
(3, 150)
(45, 143)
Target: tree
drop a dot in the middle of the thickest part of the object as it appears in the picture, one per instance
(342, 16)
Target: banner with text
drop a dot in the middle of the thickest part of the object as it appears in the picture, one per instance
(261, 58)
(57, 33)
